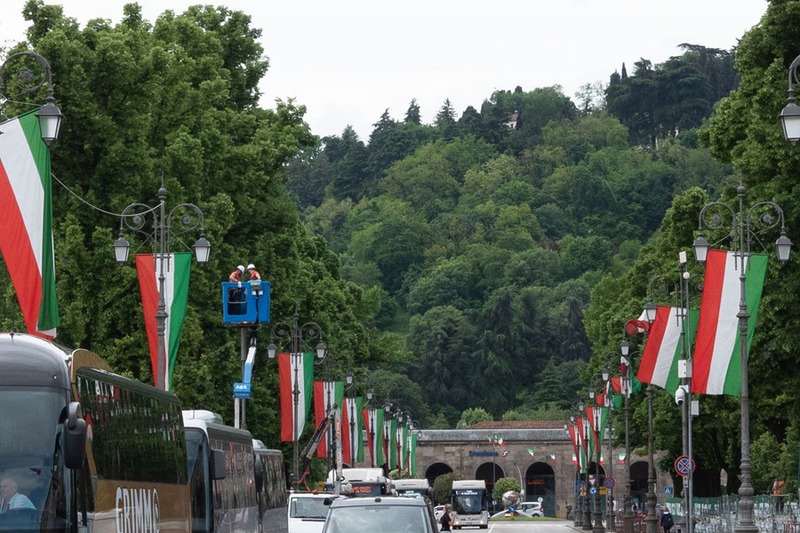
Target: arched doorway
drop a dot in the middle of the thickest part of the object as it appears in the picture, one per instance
(540, 482)
(435, 470)
(639, 483)
(489, 472)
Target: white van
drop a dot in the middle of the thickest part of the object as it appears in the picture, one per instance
(307, 511)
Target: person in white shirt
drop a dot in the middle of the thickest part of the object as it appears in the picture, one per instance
(10, 499)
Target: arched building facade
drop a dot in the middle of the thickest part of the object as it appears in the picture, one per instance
(539, 454)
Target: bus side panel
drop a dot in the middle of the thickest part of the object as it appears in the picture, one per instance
(136, 455)
(235, 504)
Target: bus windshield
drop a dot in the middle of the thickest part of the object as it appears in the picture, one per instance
(468, 501)
(28, 433)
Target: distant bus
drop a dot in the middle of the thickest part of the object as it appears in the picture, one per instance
(273, 496)
(470, 500)
(222, 475)
(361, 482)
(411, 487)
(92, 450)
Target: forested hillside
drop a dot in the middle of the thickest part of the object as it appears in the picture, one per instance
(485, 233)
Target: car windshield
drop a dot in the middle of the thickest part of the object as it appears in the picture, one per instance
(308, 507)
(383, 518)
(27, 451)
(467, 504)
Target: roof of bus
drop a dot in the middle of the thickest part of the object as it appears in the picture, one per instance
(469, 484)
(411, 483)
(200, 419)
(359, 474)
(29, 360)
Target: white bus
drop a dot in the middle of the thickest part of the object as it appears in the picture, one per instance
(222, 475)
(273, 496)
(411, 487)
(470, 500)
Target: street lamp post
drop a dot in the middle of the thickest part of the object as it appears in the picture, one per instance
(352, 417)
(627, 516)
(598, 512)
(49, 115)
(576, 514)
(298, 336)
(609, 404)
(387, 427)
(135, 217)
(586, 523)
(371, 417)
(745, 226)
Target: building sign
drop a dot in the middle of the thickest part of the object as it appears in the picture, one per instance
(475, 453)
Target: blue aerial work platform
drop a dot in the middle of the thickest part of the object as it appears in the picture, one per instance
(245, 303)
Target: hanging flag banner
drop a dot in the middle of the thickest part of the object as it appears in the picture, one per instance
(326, 395)
(176, 297)
(291, 367)
(717, 352)
(662, 350)
(26, 222)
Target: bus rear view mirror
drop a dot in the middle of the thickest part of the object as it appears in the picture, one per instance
(74, 437)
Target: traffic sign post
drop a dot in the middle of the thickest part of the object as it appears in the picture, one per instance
(683, 466)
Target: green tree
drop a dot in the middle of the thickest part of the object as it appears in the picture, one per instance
(472, 416)
(503, 485)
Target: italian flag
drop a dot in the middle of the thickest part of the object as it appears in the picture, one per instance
(412, 456)
(717, 355)
(176, 295)
(373, 422)
(26, 222)
(326, 395)
(353, 451)
(301, 364)
(662, 350)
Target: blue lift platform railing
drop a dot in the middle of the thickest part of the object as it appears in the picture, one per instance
(245, 303)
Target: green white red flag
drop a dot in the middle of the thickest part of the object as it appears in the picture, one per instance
(717, 352)
(351, 434)
(326, 395)
(176, 297)
(26, 222)
(662, 350)
(290, 367)
(373, 422)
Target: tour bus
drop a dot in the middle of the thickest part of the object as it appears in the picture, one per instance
(273, 497)
(360, 482)
(91, 450)
(411, 487)
(470, 500)
(221, 473)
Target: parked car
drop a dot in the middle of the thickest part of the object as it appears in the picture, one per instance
(438, 511)
(531, 508)
(307, 511)
(380, 513)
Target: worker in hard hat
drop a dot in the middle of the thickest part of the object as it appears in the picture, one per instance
(236, 275)
(254, 275)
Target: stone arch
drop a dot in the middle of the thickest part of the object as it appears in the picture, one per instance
(639, 471)
(484, 472)
(435, 470)
(540, 482)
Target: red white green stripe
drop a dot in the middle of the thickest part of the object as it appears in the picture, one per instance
(303, 364)
(176, 296)
(352, 450)
(26, 225)
(326, 395)
(717, 355)
(659, 364)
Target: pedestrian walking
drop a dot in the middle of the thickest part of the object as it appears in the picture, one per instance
(666, 520)
(447, 518)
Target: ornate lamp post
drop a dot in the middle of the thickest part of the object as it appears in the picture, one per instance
(586, 523)
(596, 419)
(577, 507)
(49, 115)
(609, 404)
(298, 335)
(387, 428)
(625, 379)
(790, 115)
(351, 414)
(743, 227)
(162, 232)
(371, 417)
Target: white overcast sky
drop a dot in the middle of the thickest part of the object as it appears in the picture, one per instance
(349, 60)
